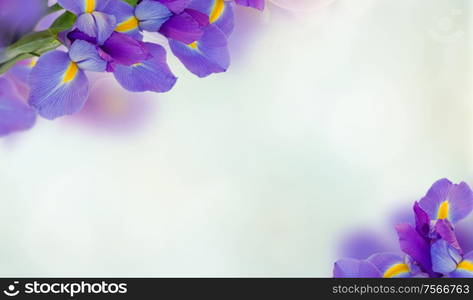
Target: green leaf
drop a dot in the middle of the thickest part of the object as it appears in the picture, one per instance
(54, 8)
(63, 22)
(7, 65)
(36, 43)
(131, 2)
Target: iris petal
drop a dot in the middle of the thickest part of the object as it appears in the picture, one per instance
(97, 25)
(74, 6)
(444, 257)
(208, 55)
(465, 267)
(220, 13)
(152, 15)
(57, 86)
(391, 265)
(446, 200)
(176, 6)
(183, 27)
(15, 115)
(353, 268)
(258, 4)
(151, 75)
(125, 49)
(86, 56)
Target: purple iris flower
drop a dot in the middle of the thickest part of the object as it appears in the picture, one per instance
(210, 53)
(15, 115)
(58, 82)
(92, 20)
(431, 243)
(146, 16)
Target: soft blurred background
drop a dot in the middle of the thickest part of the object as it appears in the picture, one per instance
(333, 115)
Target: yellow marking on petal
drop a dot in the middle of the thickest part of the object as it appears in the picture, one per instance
(217, 10)
(89, 6)
(130, 24)
(465, 265)
(443, 211)
(396, 270)
(137, 65)
(32, 62)
(193, 45)
(70, 73)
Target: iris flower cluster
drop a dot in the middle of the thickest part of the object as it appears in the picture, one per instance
(107, 36)
(430, 245)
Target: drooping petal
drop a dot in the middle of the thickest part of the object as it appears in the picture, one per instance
(15, 115)
(258, 4)
(206, 56)
(152, 15)
(183, 27)
(176, 6)
(465, 268)
(354, 268)
(444, 257)
(220, 13)
(446, 200)
(390, 265)
(125, 50)
(416, 246)
(97, 25)
(151, 75)
(57, 86)
(86, 56)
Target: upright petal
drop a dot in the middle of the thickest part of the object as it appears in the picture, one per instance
(86, 56)
(57, 86)
(464, 268)
(422, 220)
(151, 75)
(390, 265)
(15, 115)
(97, 25)
(354, 268)
(444, 257)
(183, 28)
(125, 49)
(258, 4)
(446, 200)
(176, 6)
(152, 15)
(206, 56)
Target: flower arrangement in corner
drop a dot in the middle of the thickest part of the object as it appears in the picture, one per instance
(430, 247)
(104, 36)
